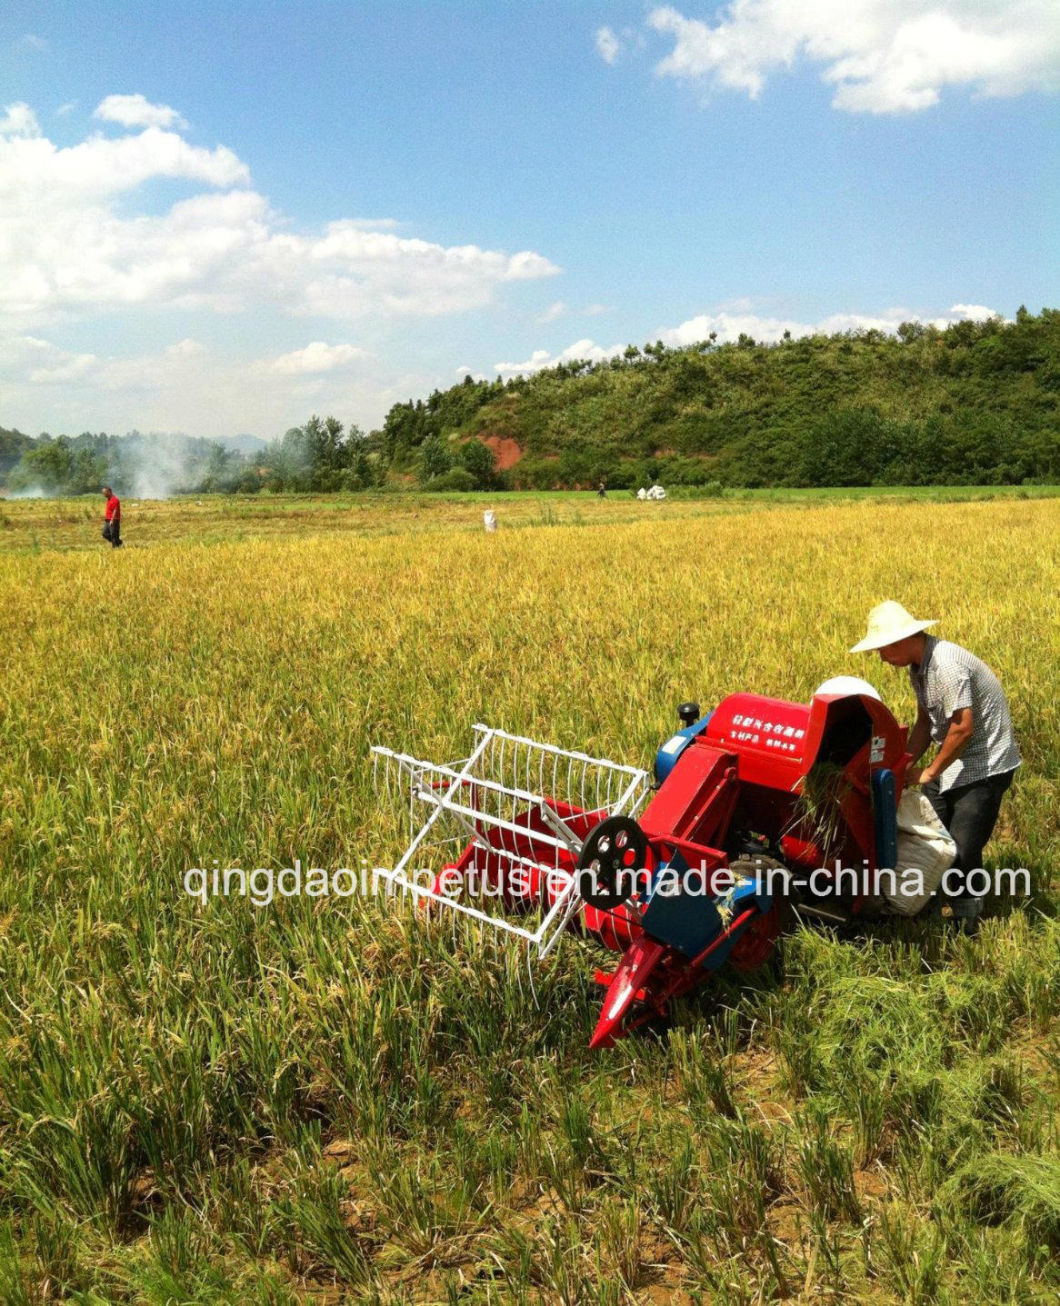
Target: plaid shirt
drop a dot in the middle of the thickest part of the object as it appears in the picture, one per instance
(949, 679)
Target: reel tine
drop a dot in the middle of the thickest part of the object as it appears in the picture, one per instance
(530, 977)
(528, 785)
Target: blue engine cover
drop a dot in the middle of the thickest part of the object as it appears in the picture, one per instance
(668, 754)
(690, 921)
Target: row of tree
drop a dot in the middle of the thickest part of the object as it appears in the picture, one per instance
(320, 457)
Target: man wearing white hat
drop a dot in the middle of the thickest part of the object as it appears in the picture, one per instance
(962, 708)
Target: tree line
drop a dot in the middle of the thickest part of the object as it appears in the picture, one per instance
(974, 403)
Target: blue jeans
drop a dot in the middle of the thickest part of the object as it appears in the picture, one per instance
(969, 812)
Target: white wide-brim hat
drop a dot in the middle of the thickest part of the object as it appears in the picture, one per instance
(888, 623)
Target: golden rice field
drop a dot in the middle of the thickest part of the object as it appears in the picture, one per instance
(321, 1100)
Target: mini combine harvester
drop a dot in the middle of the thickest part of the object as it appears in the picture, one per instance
(680, 877)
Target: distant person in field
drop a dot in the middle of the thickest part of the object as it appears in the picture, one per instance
(962, 708)
(112, 518)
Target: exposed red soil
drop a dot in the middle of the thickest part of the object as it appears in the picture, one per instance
(506, 451)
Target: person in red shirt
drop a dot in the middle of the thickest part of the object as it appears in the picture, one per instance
(112, 518)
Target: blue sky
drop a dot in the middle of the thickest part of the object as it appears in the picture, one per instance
(220, 218)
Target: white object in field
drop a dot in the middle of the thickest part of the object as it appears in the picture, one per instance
(925, 848)
(848, 685)
(656, 492)
(486, 800)
(489, 517)
(642, 493)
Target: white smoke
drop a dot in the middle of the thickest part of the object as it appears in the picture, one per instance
(157, 467)
(160, 465)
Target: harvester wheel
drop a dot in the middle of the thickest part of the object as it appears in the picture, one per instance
(614, 850)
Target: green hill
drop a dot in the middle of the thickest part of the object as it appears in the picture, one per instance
(976, 403)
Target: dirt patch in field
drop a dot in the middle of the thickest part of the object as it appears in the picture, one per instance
(506, 451)
(871, 1184)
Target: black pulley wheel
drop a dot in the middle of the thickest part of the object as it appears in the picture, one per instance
(613, 851)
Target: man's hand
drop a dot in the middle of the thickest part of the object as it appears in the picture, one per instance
(919, 775)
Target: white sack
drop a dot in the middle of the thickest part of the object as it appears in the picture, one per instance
(924, 845)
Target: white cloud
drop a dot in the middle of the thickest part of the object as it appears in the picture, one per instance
(69, 367)
(975, 312)
(317, 357)
(882, 56)
(36, 175)
(730, 326)
(349, 269)
(730, 321)
(187, 386)
(538, 359)
(19, 121)
(607, 44)
(553, 312)
(73, 243)
(33, 42)
(136, 111)
(541, 358)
